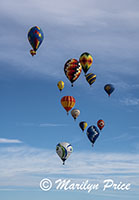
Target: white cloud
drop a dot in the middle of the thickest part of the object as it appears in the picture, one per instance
(124, 136)
(26, 166)
(111, 28)
(5, 140)
(130, 101)
(40, 125)
(52, 125)
(134, 127)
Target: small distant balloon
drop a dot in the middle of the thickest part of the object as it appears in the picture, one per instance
(35, 37)
(64, 149)
(68, 102)
(92, 133)
(86, 61)
(72, 69)
(60, 85)
(91, 78)
(75, 113)
(109, 88)
(83, 125)
(100, 124)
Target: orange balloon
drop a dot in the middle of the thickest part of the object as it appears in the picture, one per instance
(68, 103)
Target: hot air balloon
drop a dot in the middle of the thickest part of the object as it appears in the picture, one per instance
(100, 124)
(64, 150)
(60, 85)
(91, 78)
(72, 69)
(35, 37)
(83, 125)
(75, 113)
(68, 103)
(109, 88)
(92, 133)
(86, 61)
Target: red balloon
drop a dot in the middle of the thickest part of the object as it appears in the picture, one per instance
(100, 124)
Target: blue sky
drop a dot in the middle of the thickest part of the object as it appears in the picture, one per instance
(32, 119)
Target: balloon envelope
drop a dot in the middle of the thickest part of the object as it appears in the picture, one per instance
(91, 78)
(92, 133)
(109, 88)
(64, 150)
(35, 37)
(100, 124)
(75, 113)
(68, 102)
(83, 125)
(72, 69)
(86, 61)
(60, 85)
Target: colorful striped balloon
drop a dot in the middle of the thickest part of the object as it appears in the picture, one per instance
(68, 103)
(72, 69)
(86, 61)
(91, 78)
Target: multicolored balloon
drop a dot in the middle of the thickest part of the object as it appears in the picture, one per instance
(86, 61)
(75, 113)
(92, 133)
(60, 85)
(64, 150)
(83, 125)
(68, 102)
(100, 124)
(91, 78)
(109, 88)
(72, 69)
(35, 37)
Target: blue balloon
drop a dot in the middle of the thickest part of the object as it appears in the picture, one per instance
(109, 88)
(92, 133)
(35, 37)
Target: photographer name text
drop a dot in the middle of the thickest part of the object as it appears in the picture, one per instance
(64, 184)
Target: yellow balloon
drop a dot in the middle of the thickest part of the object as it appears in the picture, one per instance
(60, 85)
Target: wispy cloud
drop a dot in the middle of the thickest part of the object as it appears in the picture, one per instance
(26, 166)
(130, 101)
(134, 127)
(113, 33)
(52, 125)
(120, 137)
(39, 125)
(124, 136)
(5, 140)
(120, 84)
